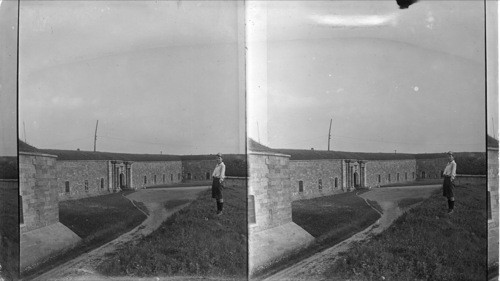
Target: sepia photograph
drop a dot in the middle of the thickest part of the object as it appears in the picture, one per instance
(368, 140)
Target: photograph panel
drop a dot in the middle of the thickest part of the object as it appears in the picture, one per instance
(368, 119)
(132, 148)
(9, 178)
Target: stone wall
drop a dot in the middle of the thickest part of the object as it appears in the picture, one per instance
(198, 170)
(382, 172)
(236, 182)
(493, 207)
(310, 172)
(464, 180)
(269, 191)
(39, 191)
(84, 178)
(430, 168)
(166, 172)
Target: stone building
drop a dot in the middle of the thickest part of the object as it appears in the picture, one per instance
(198, 167)
(316, 173)
(271, 231)
(493, 220)
(41, 233)
(84, 173)
(277, 177)
(48, 176)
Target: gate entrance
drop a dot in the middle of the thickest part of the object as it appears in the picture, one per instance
(122, 180)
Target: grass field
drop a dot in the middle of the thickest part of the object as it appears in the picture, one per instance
(330, 220)
(97, 220)
(100, 219)
(424, 244)
(192, 242)
(9, 230)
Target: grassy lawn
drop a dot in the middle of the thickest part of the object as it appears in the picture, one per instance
(330, 220)
(97, 220)
(9, 230)
(424, 244)
(407, 202)
(333, 218)
(192, 242)
(100, 219)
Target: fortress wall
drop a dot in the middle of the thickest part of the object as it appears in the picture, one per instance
(430, 168)
(76, 172)
(310, 172)
(38, 190)
(493, 222)
(198, 170)
(236, 182)
(269, 191)
(166, 172)
(388, 171)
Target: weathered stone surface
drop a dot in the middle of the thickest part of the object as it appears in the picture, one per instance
(38, 188)
(236, 182)
(430, 168)
(171, 169)
(76, 173)
(270, 186)
(310, 172)
(199, 170)
(383, 168)
(494, 197)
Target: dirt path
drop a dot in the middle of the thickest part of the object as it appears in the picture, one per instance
(313, 267)
(83, 267)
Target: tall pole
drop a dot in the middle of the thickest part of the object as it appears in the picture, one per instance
(258, 131)
(329, 134)
(95, 135)
(24, 126)
(494, 132)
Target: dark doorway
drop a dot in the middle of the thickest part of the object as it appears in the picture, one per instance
(122, 180)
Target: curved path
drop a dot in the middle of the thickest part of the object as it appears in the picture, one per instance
(313, 267)
(83, 267)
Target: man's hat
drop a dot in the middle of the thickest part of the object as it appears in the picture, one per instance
(450, 153)
(219, 155)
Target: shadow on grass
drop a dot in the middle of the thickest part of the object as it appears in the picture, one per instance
(424, 244)
(97, 220)
(408, 202)
(330, 219)
(375, 205)
(175, 203)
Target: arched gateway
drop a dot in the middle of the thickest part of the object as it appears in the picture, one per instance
(354, 173)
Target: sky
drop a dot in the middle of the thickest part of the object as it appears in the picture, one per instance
(159, 76)
(8, 76)
(408, 80)
(173, 79)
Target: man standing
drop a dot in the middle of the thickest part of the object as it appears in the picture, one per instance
(448, 185)
(217, 184)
